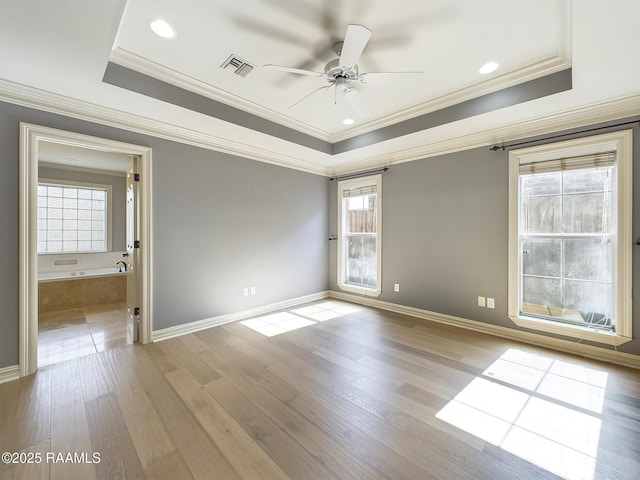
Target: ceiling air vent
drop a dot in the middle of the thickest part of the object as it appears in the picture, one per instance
(237, 65)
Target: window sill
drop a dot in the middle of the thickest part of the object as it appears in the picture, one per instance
(359, 290)
(574, 331)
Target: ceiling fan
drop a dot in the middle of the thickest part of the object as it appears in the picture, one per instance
(342, 72)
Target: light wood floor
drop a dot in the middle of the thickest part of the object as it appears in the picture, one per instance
(67, 334)
(355, 394)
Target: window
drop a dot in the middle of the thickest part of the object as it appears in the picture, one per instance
(359, 226)
(570, 238)
(72, 218)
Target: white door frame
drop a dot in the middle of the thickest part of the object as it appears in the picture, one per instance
(30, 136)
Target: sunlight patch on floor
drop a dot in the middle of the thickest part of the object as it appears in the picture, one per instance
(282, 322)
(542, 410)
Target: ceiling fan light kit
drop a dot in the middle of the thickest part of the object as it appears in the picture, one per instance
(341, 72)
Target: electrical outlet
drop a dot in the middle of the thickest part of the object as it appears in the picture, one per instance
(396, 287)
(491, 303)
(245, 292)
(482, 301)
(253, 290)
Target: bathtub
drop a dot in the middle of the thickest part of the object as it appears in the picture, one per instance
(78, 274)
(68, 289)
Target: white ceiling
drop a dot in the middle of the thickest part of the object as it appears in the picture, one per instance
(54, 56)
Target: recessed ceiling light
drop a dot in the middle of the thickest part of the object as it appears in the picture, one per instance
(489, 67)
(162, 28)
(348, 121)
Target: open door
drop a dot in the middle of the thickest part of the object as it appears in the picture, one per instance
(133, 248)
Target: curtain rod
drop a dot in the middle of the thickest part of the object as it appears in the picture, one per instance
(359, 174)
(503, 146)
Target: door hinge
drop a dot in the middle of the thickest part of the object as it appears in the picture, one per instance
(136, 311)
(136, 177)
(136, 244)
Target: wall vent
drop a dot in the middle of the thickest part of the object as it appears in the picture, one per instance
(237, 65)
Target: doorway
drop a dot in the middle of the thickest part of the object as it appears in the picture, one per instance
(108, 315)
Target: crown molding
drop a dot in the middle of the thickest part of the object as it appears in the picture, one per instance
(621, 107)
(134, 62)
(538, 70)
(142, 65)
(26, 96)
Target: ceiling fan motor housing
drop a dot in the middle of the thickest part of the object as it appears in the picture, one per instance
(333, 71)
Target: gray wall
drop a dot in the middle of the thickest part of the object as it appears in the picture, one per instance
(220, 223)
(445, 235)
(118, 197)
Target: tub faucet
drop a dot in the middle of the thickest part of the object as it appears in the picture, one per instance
(124, 264)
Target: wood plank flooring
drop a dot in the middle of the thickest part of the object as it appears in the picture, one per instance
(355, 393)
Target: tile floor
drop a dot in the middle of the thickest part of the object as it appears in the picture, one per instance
(76, 332)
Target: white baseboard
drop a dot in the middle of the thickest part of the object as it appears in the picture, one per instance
(198, 325)
(8, 374)
(588, 351)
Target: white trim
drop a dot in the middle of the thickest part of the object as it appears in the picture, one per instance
(621, 107)
(134, 62)
(199, 325)
(30, 136)
(539, 69)
(8, 374)
(523, 75)
(354, 183)
(62, 105)
(575, 348)
(622, 143)
(614, 109)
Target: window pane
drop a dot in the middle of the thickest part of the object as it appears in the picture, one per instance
(587, 213)
(361, 213)
(97, 245)
(541, 292)
(587, 180)
(593, 300)
(542, 214)
(69, 214)
(54, 202)
(84, 194)
(588, 259)
(361, 267)
(54, 213)
(69, 246)
(54, 224)
(70, 203)
(542, 257)
(54, 235)
(70, 235)
(54, 192)
(84, 246)
(541, 184)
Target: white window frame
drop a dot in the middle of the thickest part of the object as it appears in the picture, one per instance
(108, 213)
(346, 185)
(621, 143)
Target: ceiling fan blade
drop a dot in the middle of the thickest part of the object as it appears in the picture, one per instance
(297, 71)
(357, 103)
(354, 42)
(307, 96)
